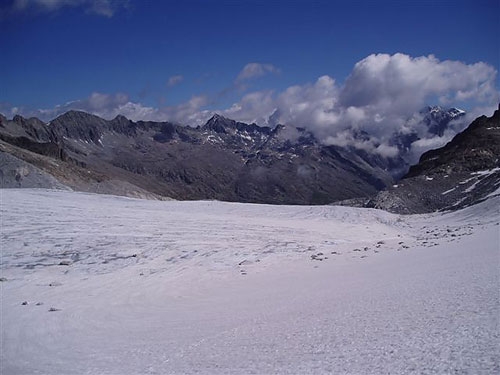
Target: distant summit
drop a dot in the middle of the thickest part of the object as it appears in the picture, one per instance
(437, 119)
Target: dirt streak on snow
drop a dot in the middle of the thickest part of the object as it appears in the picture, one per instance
(147, 287)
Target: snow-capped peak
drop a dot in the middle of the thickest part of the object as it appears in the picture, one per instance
(454, 112)
(435, 109)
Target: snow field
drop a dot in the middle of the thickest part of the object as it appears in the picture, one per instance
(147, 287)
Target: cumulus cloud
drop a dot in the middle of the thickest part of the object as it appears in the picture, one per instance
(311, 106)
(254, 107)
(106, 8)
(255, 70)
(189, 113)
(174, 80)
(402, 84)
(106, 106)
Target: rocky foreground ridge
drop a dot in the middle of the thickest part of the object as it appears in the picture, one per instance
(463, 172)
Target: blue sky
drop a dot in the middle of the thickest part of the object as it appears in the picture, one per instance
(183, 60)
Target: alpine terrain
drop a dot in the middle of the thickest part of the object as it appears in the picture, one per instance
(463, 172)
(223, 159)
(103, 284)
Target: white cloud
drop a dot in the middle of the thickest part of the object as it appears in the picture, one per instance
(189, 113)
(106, 106)
(174, 80)
(422, 145)
(99, 102)
(48, 5)
(106, 8)
(403, 84)
(254, 107)
(255, 70)
(311, 105)
(135, 112)
(387, 151)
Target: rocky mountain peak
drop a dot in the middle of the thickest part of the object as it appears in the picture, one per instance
(32, 128)
(120, 118)
(437, 119)
(79, 125)
(218, 124)
(224, 125)
(76, 116)
(216, 117)
(476, 148)
(122, 125)
(27, 122)
(18, 119)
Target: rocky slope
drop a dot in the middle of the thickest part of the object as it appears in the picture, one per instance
(463, 172)
(224, 159)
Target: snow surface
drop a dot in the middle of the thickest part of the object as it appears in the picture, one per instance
(97, 284)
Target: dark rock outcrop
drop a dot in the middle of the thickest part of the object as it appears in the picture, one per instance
(463, 172)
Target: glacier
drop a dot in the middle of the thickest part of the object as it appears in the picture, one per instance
(96, 284)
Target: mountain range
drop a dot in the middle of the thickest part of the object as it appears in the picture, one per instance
(223, 160)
